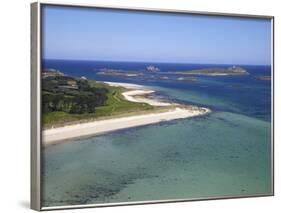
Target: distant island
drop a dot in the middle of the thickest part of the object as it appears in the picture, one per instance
(116, 72)
(51, 72)
(189, 79)
(216, 71)
(263, 78)
(152, 68)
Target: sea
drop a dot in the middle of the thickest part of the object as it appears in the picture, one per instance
(227, 153)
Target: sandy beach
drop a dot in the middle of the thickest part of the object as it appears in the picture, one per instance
(136, 93)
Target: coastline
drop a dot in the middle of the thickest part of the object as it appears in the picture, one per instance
(137, 94)
(134, 93)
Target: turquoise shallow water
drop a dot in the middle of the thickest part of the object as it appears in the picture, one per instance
(220, 154)
(225, 153)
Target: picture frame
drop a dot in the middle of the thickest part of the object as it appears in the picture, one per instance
(37, 147)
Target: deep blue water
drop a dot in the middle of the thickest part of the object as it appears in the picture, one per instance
(225, 153)
(244, 94)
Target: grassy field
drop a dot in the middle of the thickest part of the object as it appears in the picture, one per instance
(116, 105)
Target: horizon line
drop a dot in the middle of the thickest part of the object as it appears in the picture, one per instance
(64, 59)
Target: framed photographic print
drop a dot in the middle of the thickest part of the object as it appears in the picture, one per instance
(136, 106)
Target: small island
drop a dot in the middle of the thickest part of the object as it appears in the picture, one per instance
(75, 107)
(188, 79)
(263, 78)
(116, 72)
(51, 72)
(152, 68)
(216, 71)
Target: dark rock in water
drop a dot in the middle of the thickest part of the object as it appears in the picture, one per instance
(263, 78)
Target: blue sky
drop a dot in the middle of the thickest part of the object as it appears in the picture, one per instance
(114, 35)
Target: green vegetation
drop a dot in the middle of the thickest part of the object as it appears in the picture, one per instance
(216, 71)
(70, 95)
(113, 72)
(67, 100)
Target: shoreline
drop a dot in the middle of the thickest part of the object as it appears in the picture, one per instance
(135, 93)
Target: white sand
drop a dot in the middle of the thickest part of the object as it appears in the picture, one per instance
(51, 136)
(126, 85)
(97, 127)
(134, 95)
